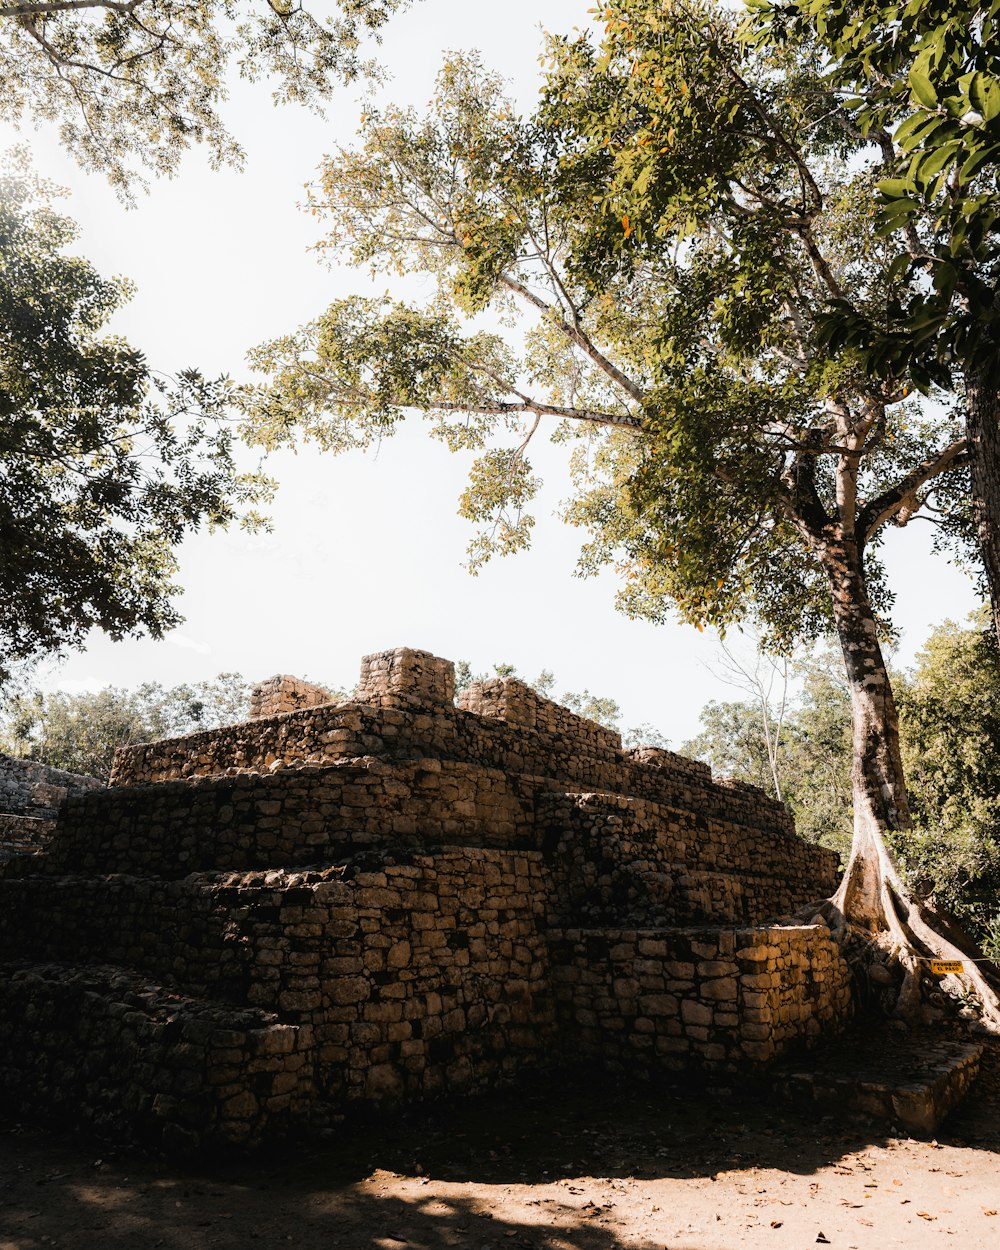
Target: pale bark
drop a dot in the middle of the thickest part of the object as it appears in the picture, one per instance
(872, 899)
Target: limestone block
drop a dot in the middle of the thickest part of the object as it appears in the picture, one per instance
(694, 1012)
(284, 693)
(415, 676)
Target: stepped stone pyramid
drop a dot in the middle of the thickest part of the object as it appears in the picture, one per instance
(263, 928)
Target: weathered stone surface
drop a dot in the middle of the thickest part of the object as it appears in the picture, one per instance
(464, 893)
(31, 795)
(283, 693)
(912, 1083)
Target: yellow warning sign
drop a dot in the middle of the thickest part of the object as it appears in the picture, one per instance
(941, 967)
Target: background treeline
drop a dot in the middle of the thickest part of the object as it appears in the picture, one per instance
(949, 710)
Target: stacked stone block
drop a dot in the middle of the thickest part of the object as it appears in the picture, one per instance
(283, 693)
(349, 905)
(30, 797)
(648, 999)
(406, 678)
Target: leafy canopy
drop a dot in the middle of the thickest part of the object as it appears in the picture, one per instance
(104, 468)
(642, 263)
(921, 82)
(133, 83)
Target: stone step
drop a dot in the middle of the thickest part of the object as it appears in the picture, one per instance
(103, 1047)
(913, 1081)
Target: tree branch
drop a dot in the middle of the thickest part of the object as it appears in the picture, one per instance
(500, 408)
(581, 339)
(45, 8)
(885, 506)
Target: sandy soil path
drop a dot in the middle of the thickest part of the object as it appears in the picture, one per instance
(568, 1168)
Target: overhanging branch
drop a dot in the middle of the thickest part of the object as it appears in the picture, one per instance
(885, 506)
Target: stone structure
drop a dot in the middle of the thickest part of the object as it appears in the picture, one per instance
(30, 797)
(259, 928)
(283, 693)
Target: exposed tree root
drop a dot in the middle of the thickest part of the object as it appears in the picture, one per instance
(872, 909)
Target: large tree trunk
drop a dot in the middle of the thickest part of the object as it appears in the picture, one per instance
(982, 419)
(872, 900)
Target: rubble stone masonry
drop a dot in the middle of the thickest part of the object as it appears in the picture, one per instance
(260, 929)
(30, 797)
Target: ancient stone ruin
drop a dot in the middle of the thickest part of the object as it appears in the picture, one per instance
(263, 928)
(30, 797)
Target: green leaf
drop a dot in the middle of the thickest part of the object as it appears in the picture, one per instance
(991, 100)
(975, 162)
(945, 279)
(922, 87)
(928, 165)
(892, 188)
(937, 130)
(899, 267)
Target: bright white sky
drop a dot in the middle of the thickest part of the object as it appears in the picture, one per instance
(367, 550)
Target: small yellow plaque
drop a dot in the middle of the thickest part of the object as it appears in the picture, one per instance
(941, 967)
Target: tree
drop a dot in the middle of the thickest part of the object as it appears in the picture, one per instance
(105, 467)
(812, 755)
(675, 216)
(765, 677)
(133, 83)
(733, 744)
(82, 732)
(950, 742)
(951, 752)
(819, 755)
(921, 81)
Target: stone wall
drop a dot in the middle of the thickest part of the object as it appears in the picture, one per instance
(641, 862)
(28, 788)
(23, 835)
(147, 1064)
(644, 1000)
(283, 693)
(297, 816)
(406, 678)
(617, 854)
(520, 706)
(403, 981)
(347, 906)
(31, 795)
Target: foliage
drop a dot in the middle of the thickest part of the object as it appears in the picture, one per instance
(818, 746)
(673, 219)
(81, 732)
(950, 709)
(732, 743)
(136, 82)
(813, 754)
(104, 467)
(950, 729)
(645, 735)
(594, 707)
(921, 80)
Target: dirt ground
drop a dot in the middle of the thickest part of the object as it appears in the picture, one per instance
(578, 1166)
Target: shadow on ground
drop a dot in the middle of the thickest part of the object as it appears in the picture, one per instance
(559, 1168)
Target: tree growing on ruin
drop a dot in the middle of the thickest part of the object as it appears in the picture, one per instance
(921, 81)
(134, 83)
(672, 221)
(104, 466)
